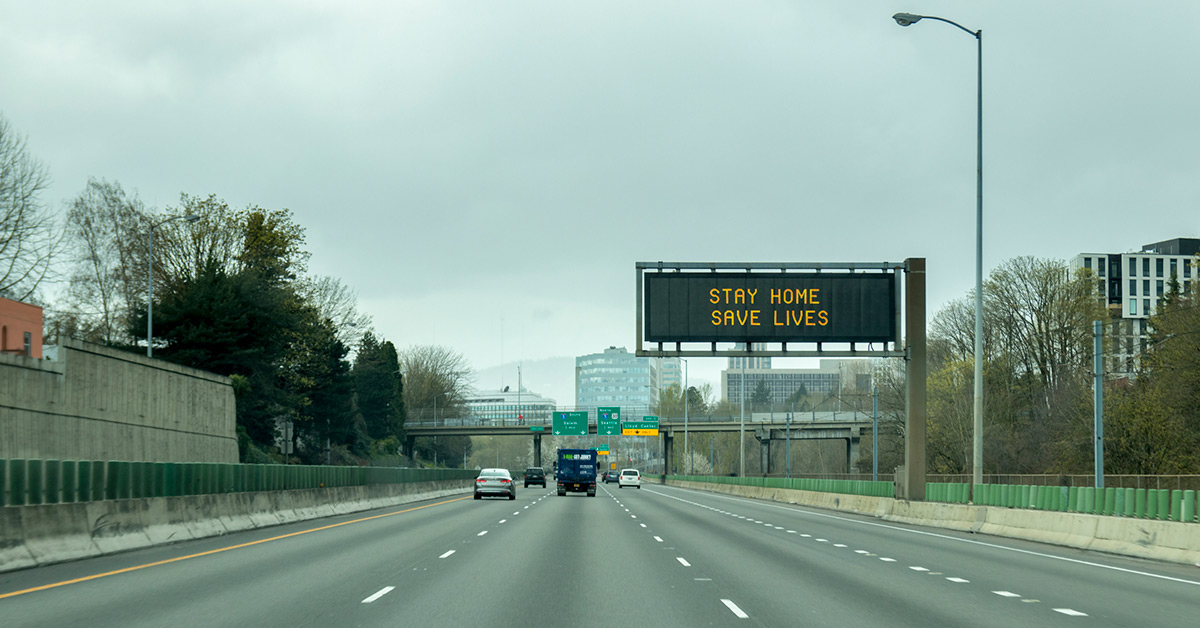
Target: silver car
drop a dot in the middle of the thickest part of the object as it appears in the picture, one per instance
(496, 482)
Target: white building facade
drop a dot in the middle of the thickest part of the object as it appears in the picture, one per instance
(509, 407)
(615, 377)
(1133, 284)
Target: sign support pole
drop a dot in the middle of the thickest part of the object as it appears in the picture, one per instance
(914, 432)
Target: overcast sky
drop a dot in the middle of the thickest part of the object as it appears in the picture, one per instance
(485, 174)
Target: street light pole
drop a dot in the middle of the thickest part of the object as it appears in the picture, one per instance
(686, 451)
(906, 19)
(150, 282)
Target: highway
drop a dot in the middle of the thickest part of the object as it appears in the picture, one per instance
(656, 556)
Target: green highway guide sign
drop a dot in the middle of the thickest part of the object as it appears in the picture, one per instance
(538, 428)
(570, 423)
(608, 421)
(648, 426)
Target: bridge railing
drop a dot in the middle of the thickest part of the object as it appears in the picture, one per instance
(33, 482)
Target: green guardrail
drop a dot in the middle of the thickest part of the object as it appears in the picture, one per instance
(848, 487)
(1141, 503)
(31, 482)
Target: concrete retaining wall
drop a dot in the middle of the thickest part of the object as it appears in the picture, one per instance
(32, 536)
(1171, 541)
(91, 402)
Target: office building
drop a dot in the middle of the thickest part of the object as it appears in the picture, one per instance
(783, 383)
(750, 363)
(670, 373)
(615, 377)
(507, 406)
(1132, 285)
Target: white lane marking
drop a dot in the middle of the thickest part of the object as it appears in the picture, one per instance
(861, 552)
(734, 607)
(888, 560)
(682, 561)
(382, 592)
(959, 580)
(839, 545)
(503, 520)
(1070, 611)
(757, 521)
(446, 554)
(778, 527)
(634, 516)
(1006, 594)
(807, 536)
(702, 579)
(658, 538)
(822, 540)
(791, 531)
(527, 508)
(517, 513)
(626, 510)
(918, 568)
(642, 524)
(482, 533)
(1077, 561)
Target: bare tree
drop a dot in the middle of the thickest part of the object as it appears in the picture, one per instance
(28, 242)
(434, 377)
(104, 229)
(337, 302)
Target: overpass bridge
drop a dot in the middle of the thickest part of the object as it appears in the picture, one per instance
(847, 426)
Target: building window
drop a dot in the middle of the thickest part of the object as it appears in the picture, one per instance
(1146, 307)
(1173, 271)
(1146, 266)
(1087, 263)
(1159, 286)
(1133, 307)
(1158, 267)
(1100, 265)
(1132, 266)
(28, 344)
(1187, 268)
(1146, 287)
(1133, 287)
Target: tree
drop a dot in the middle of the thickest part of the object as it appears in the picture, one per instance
(379, 387)
(28, 241)
(105, 228)
(338, 303)
(437, 381)
(761, 397)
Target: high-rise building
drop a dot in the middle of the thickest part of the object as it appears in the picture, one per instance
(670, 373)
(782, 383)
(615, 377)
(1131, 285)
(750, 363)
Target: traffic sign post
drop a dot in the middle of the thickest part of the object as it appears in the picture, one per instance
(570, 423)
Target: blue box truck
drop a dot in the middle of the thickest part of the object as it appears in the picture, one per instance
(576, 471)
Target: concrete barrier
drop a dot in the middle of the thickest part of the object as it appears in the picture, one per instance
(36, 535)
(1172, 541)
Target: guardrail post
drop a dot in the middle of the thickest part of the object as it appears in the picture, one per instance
(1189, 506)
(1176, 505)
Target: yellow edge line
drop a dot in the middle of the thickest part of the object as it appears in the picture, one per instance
(216, 551)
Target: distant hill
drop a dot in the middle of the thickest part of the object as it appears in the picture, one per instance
(548, 377)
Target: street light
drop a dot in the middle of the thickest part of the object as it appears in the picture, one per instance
(686, 451)
(150, 282)
(906, 19)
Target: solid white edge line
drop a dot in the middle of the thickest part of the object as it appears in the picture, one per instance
(734, 607)
(446, 554)
(385, 590)
(941, 536)
(682, 561)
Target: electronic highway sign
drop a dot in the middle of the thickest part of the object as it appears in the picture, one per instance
(758, 307)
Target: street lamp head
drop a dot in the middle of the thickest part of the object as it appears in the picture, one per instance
(191, 218)
(906, 19)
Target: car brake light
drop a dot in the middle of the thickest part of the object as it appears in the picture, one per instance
(505, 480)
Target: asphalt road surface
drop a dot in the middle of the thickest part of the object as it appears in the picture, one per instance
(655, 556)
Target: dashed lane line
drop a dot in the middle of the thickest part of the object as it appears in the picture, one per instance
(378, 594)
(446, 554)
(682, 561)
(734, 607)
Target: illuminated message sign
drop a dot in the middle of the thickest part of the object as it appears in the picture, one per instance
(770, 307)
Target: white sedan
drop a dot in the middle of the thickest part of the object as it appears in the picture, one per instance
(629, 477)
